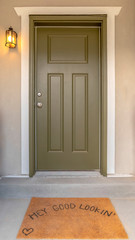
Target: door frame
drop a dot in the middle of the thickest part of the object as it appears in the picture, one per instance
(24, 13)
(75, 20)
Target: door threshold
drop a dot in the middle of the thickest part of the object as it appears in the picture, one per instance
(94, 173)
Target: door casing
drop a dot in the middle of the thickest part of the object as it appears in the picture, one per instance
(72, 20)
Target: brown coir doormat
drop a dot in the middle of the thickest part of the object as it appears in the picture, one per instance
(71, 218)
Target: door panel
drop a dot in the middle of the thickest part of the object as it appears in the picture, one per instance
(63, 48)
(80, 112)
(55, 112)
(67, 75)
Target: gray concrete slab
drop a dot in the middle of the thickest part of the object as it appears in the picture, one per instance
(67, 179)
(13, 210)
(11, 215)
(67, 187)
(126, 212)
(15, 195)
(67, 190)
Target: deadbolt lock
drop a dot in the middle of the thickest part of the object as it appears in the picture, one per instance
(39, 94)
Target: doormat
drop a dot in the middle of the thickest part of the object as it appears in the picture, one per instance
(71, 218)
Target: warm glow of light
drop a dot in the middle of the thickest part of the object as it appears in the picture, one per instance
(11, 38)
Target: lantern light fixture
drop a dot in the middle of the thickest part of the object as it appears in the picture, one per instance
(11, 37)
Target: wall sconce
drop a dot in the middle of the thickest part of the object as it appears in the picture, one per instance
(11, 37)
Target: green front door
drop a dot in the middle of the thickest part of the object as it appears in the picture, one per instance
(67, 97)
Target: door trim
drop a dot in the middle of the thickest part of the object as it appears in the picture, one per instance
(26, 131)
(75, 21)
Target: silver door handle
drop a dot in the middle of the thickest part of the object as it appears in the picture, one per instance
(39, 105)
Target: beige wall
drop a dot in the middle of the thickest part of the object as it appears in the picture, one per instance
(10, 141)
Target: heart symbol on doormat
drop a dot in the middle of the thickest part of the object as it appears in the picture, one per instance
(27, 231)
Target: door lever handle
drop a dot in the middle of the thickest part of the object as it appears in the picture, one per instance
(39, 105)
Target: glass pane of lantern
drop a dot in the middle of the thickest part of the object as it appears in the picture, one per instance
(11, 38)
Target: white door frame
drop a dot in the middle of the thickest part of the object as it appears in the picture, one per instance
(24, 12)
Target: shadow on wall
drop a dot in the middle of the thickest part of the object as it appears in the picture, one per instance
(9, 106)
(2, 140)
(3, 53)
(134, 139)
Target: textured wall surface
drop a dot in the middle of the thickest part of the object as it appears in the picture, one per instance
(10, 83)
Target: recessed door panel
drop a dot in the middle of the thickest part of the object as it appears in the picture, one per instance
(67, 75)
(55, 112)
(80, 112)
(67, 48)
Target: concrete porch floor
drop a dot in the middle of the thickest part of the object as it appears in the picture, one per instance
(15, 195)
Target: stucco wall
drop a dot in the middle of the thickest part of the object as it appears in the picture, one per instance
(10, 71)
